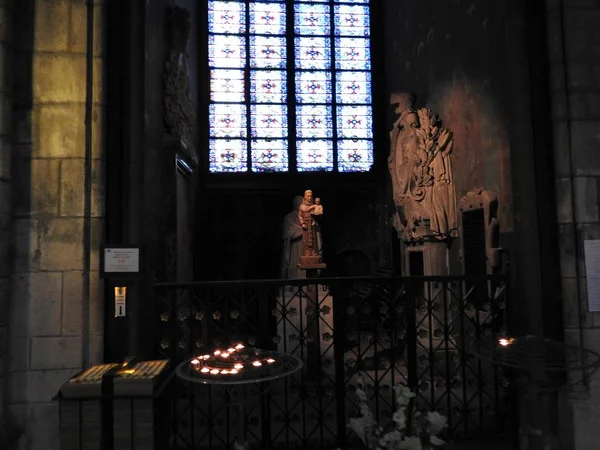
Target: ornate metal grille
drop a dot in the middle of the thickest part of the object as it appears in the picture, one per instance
(416, 331)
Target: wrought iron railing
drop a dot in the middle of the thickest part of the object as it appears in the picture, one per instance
(415, 331)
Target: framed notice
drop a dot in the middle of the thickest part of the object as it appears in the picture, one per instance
(592, 271)
(120, 261)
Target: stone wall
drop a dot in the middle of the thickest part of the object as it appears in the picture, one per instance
(54, 276)
(5, 201)
(574, 50)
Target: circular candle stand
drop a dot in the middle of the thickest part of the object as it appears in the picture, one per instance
(540, 367)
(258, 367)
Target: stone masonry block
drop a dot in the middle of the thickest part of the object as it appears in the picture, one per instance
(59, 78)
(584, 105)
(566, 243)
(72, 303)
(97, 237)
(26, 245)
(62, 246)
(78, 38)
(586, 193)
(36, 306)
(99, 90)
(73, 300)
(49, 352)
(19, 354)
(59, 130)
(6, 63)
(5, 159)
(582, 76)
(36, 186)
(98, 132)
(581, 33)
(72, 193)
(5, 195)
(585, 144)
(37, 385)
(51, 26)
(63, 132)
(96, 303)
(572, 304)
(96, 349)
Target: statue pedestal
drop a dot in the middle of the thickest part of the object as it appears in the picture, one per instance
(311, 263)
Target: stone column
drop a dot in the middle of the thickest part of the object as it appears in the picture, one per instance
(54, 277)
(574, 50)
(5, 198)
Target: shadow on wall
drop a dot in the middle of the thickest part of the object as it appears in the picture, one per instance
(28, 209)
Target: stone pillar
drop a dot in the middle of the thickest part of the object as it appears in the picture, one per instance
(574, 50)
(5, 199)
(54, 276)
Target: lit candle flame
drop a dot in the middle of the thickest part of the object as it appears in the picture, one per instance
(195, 361)
(214, 371)
(257, 363)
(217, 352)
(504, 342)
(225, 355)
(239, 346)
(239, 366)
(233, 371)
(225, 371)
(270, 360)
(204, 370)
(230, 350)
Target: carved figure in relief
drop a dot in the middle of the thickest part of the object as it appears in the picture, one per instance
(421, 171)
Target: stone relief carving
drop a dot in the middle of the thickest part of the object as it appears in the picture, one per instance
(488, 201)
(179, 111)
(421, 170)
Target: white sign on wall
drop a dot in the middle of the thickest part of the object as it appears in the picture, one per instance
(592, 270)
(121, 260)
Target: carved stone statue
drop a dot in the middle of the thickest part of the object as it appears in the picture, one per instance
(292, 243)
(179, 111)
(309, 214)
(421, 171)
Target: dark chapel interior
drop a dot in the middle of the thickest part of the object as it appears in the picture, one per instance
(452, 273)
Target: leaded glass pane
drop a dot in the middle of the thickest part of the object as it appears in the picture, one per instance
(351, 1)
(226, 17)
(227, 120)
(228, 155)
(351, 20)
(267, 18)
(313, 155)
(226, 85)
(268, 121)
(312, 53)
(311, 19)
(313, 121)
(354, 122)
(355, 155)
(267, 52)
(226, 51)
(313, 87)
(268, 86)
(269, 155)
(352, 53)
(353, 87)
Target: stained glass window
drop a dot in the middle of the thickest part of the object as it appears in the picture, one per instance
(290, 86)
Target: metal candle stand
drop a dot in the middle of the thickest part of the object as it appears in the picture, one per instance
(286, 365)
(541, 367)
